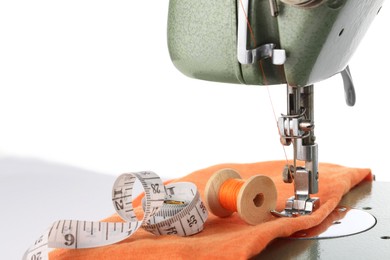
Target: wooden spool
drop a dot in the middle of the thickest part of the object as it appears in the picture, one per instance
(256, 198)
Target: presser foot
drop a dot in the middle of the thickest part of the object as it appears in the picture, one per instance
(295, 208)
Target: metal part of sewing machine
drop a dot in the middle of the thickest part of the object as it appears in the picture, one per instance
(296, 127)
(292, 42)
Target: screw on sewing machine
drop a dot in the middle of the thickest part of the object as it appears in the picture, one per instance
(288, 173)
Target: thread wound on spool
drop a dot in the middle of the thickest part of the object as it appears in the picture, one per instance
(228, 193)
(252, 199)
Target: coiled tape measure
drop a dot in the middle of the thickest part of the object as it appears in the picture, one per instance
(172, 209)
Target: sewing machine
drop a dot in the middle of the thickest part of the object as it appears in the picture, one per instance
(297, 43)
(267, 42)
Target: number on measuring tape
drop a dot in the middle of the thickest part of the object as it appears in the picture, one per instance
(175, 209)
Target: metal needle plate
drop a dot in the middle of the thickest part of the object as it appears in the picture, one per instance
(370, 197)
(340, 223)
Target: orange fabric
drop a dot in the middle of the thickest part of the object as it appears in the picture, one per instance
(230, 238)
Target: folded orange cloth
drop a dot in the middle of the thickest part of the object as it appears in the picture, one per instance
(231, 237)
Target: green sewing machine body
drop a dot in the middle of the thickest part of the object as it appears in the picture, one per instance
(319, 40)
(268, 42)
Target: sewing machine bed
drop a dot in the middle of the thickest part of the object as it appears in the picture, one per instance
(372, 244)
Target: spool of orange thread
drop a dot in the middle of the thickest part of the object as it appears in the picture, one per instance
(253, 199)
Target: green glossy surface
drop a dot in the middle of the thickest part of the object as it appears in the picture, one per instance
(302, 33)
(319, 41)
(202, 39)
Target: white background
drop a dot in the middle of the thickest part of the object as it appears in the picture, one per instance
(88, 87)
(90, 84)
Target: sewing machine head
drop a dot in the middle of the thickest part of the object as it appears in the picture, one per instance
(268, 42)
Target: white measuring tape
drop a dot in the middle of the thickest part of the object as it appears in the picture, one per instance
(173, 209)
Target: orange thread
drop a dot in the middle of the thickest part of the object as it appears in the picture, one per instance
(265, 81)
(228, 193)
(248, 23)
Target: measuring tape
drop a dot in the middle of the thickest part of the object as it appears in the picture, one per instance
(172, 209)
